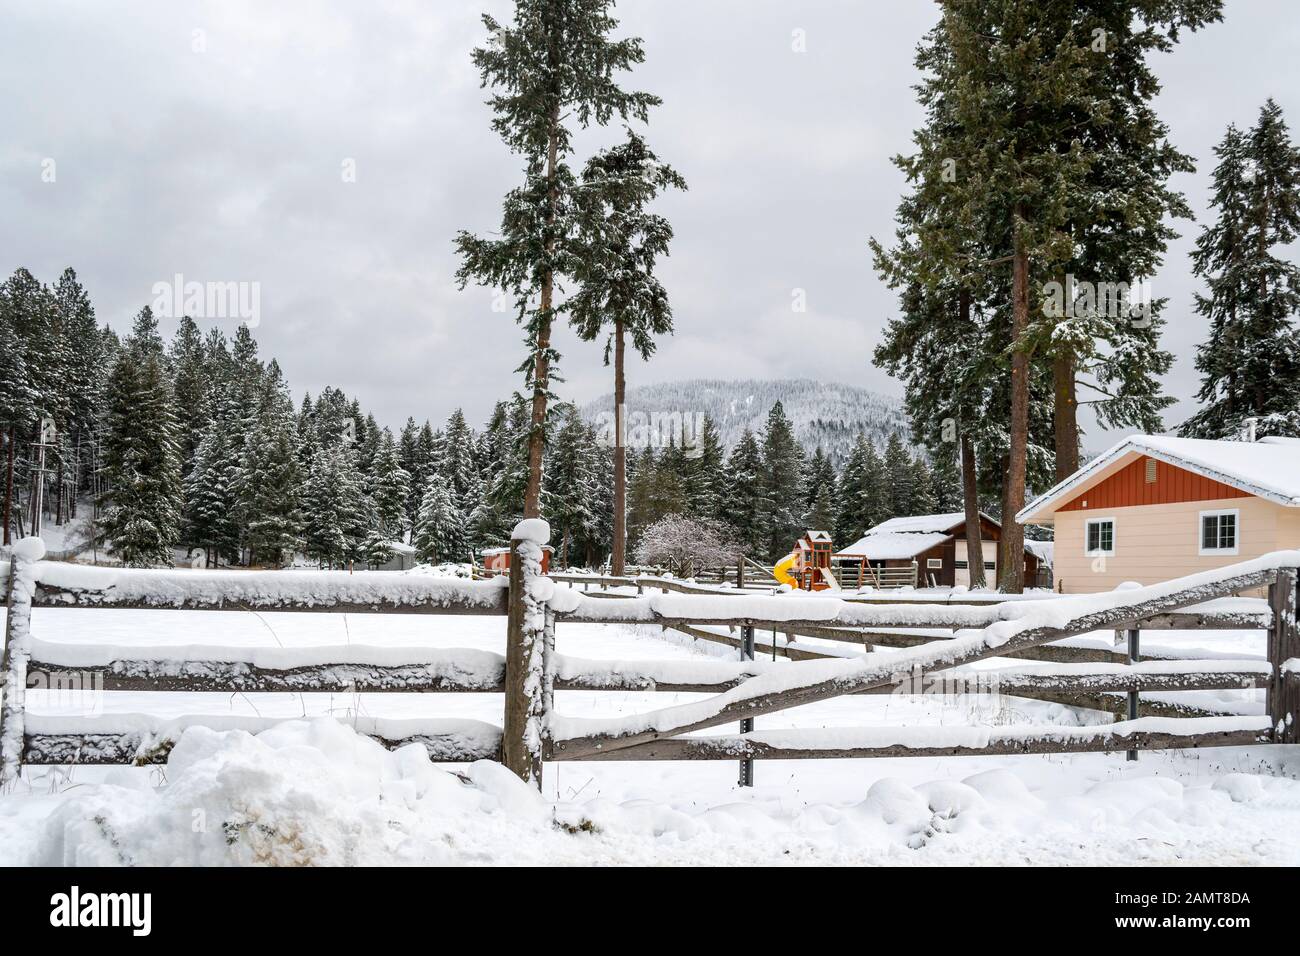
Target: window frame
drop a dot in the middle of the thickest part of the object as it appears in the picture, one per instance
(1205, 552)
(1114, 538)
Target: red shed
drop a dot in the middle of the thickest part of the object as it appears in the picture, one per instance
(497, 560)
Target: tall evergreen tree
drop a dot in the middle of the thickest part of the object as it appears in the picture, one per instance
(1250, 364)
(190, 373)
(706, 473)
(746, 507)
(784, 492)
(141, 453)
(573, 497)
(555, 65)
(439, 533)
(618, 290)
(900, 479)
(850, 518)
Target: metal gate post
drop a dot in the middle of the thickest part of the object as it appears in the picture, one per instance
(746, 725)
(1133, 696)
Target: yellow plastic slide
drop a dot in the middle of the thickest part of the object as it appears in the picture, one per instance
(782, 570)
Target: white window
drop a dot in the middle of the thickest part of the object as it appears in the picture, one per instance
(934, 562)
(1099, 537)
(1220, 531)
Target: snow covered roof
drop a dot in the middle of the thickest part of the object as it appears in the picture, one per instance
(923, 523)
(817, 535)
(892, 545)
(1042, 550)
(906, 537)
(1268, 468)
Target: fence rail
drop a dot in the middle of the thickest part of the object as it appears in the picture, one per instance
(531, 671)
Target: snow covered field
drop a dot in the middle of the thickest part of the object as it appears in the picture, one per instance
(314, 791)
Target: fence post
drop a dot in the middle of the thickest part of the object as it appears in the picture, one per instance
(548, 668)
(524, 728)
(746, 725)
(17, 650)
(1284, 655)
(1134, 655)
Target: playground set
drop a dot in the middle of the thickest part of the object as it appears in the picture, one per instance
(808, 566)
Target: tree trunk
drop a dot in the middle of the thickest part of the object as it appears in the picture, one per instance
(970, 499)
(542, 358)
(1066, 416)
(1011, 563)
(9, 483)
(969, 485)
(58, 504)
(620, 456)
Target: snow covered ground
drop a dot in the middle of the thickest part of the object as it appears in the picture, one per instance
(314, 791)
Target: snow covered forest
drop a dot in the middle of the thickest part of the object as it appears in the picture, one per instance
(824, 415)
(197, 445)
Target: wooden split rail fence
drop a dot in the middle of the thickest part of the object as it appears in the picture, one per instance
(531, 671)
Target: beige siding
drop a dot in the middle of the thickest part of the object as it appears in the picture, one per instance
(1158, 542)
(962, 577)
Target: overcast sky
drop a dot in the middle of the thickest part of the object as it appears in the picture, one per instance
(211, 139)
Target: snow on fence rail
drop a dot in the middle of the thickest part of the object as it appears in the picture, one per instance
(531, 670)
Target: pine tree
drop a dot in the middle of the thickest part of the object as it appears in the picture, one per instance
(784, 493)
(850, 517)
(269, 485)
(573, 497)
(338, 518)
(1250, 365)
(553, 66)
(86, 376)
(900, 479)
(746, 507)
(439, 534)
(209, 498)
(945, 482)
(706, 473)
(190, 372)
(388, 486)
(141, 454)
(618, 288)
(408, 457)
(457, 464)
(923, 499)
(877, 496)
(821, 478)
(274, 500)
(18, 397)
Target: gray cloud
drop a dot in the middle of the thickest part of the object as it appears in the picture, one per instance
(225, 165)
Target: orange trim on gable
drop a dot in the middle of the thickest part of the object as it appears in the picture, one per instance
(1129, 486)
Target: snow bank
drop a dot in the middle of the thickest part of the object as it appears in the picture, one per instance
(317, 793)
(302, 793)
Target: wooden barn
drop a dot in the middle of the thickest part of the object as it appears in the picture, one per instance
(934, 544)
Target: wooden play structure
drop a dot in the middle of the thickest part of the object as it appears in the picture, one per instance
(808, 566)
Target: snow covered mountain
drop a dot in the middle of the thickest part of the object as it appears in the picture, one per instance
(825, 414)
